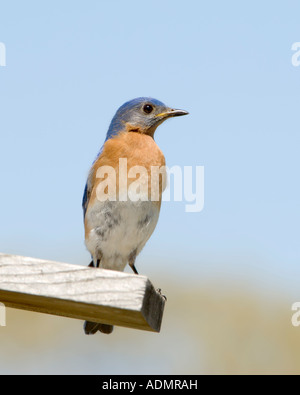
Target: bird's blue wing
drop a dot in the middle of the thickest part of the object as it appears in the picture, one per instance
(88, 187)
(112, 132)
(85, 200)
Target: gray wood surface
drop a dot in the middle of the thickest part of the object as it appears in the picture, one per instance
(80, 292)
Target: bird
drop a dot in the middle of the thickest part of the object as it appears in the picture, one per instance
(117, 226)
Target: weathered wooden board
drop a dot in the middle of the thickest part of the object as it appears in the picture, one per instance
(80, 292)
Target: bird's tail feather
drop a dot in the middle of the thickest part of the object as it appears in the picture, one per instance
(90, 328)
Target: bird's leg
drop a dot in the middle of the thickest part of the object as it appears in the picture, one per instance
(99, 257)
(131, 261)
(133, 268)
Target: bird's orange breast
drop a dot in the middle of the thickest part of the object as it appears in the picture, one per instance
(138, 150)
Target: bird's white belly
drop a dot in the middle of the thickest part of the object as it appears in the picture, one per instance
(119, 229)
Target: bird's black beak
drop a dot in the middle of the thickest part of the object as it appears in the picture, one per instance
(177, 113)
(172, 113)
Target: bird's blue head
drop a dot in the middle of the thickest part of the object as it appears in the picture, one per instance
(141, 115)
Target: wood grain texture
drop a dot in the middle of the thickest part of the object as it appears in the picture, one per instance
(80, 292)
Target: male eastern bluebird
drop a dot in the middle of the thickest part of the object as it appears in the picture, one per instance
(117, 229)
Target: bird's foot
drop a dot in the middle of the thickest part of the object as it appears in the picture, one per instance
(159, 291)
(93, 265)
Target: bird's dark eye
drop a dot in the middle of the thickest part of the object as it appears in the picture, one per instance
(148, 108)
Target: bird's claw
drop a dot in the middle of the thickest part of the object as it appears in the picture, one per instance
(159, 291)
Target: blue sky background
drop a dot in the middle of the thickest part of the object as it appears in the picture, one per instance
(71, 64)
